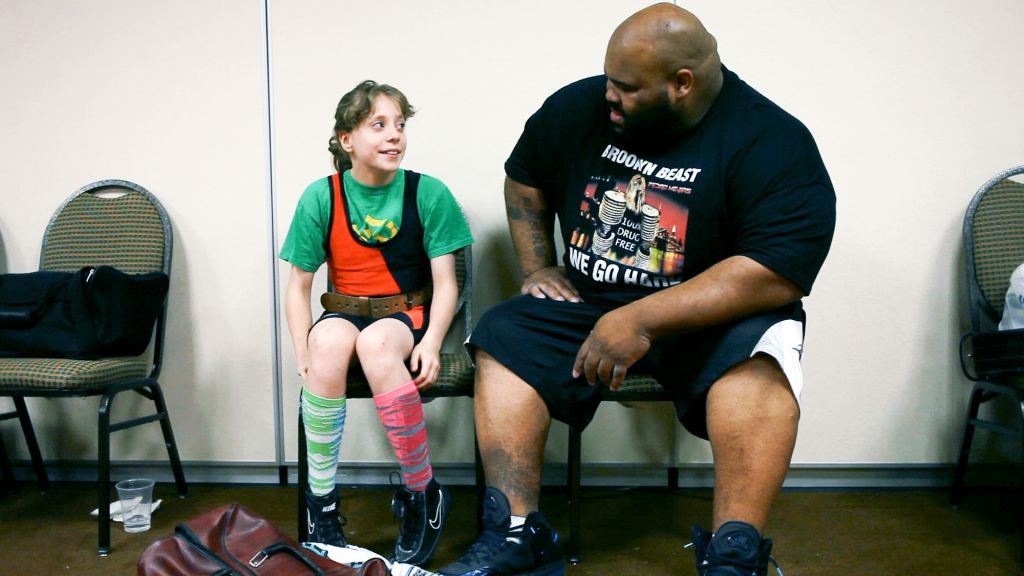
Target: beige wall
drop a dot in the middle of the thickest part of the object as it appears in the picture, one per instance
(168, 95)
(914, 105)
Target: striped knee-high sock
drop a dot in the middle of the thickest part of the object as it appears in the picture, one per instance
(324, 419)
(401, 413)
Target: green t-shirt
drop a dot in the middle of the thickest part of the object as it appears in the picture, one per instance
(376, 216)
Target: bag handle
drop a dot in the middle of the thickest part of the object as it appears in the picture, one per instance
(269, 551)
(185, 532)
(967, 337)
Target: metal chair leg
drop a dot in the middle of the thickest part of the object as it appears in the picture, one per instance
(1020, 495)
(956, 492)
(575, 494)
(303, 470)
(172, 446)
(103, 480)
(481, 485)
(6, 469)
(31, 442)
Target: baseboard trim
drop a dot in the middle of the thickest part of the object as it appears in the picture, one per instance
(801, 476)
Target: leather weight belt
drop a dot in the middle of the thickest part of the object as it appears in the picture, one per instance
(370, 307)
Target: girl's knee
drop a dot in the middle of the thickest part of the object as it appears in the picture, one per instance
(330, 340)
(391, 338)
(372, 349)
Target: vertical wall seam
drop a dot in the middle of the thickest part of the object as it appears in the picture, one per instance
(275, 316)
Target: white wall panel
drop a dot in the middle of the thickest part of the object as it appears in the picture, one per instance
(914, 105)
(168, 95)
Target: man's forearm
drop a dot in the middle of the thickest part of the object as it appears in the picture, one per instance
(531, 225)
(734, 288)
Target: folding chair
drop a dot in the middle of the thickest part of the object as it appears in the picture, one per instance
(114, 223)
(993, 237)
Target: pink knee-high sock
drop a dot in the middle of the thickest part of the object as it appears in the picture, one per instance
(401, 412)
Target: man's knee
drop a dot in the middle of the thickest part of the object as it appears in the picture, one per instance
(755, 387)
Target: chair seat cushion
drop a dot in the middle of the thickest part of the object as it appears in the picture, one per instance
(641, 383)
(637, 387)
(454, 379)
(57, 374)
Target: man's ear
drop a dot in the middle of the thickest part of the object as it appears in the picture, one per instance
(682, 82)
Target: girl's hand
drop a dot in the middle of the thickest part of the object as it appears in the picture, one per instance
(426, 361)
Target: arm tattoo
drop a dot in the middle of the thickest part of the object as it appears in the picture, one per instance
(540, 246)
(536, 220)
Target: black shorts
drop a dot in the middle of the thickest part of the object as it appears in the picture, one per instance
(361, 322)
(538, 338)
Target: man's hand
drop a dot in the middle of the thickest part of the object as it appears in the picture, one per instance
(550, 282)
(617, 342)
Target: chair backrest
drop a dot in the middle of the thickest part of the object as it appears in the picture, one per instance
(464, 277)
(112, 223)
(993, 246)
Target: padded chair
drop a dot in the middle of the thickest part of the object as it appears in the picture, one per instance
(455, 379)
(993, 237)
(115, 223)
(635, 388)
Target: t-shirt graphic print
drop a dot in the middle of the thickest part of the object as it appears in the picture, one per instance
(631, 224)
(625, 223)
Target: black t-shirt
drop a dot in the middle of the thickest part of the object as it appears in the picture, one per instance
(747, 180)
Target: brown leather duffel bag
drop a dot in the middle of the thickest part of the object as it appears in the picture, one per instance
(231, 541)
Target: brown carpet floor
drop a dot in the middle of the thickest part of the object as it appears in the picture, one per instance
(626, 531)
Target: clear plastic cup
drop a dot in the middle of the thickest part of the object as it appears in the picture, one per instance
(136, 497)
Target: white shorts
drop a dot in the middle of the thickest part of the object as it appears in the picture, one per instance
(784, 341)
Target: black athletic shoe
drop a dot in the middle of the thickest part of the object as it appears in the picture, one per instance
(422, 514)
(323, 520)
(735, 550)
(530, 550)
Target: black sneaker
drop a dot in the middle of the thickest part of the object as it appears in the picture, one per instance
(422, 514)
(530, 550)
(735, 550)
(323, 520)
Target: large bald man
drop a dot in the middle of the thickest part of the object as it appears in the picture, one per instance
(695, 215)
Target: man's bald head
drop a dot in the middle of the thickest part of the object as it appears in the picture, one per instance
(663, 69)
(670, 37)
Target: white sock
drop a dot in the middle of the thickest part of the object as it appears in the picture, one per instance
(515, 525)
